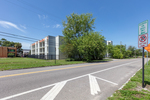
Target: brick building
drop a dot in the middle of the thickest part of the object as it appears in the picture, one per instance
(4, 51)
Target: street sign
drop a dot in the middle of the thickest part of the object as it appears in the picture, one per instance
(143, 28)
(143, 40)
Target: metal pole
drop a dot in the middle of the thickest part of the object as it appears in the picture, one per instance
(143, 69)
(147, 57)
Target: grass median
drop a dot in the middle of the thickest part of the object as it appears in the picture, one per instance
(133, 89)
(22, 63)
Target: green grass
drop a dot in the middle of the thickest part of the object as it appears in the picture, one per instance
(133, 89)
(21, 63)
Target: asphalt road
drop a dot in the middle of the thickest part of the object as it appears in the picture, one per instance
(89, 81)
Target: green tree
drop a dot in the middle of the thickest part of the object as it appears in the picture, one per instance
(117, 53)
(138, 52)
(110, 50)
(75, 27)
(132, 49)
(92, 46)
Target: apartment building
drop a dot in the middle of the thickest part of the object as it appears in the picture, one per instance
(59, 54)
(48, 47)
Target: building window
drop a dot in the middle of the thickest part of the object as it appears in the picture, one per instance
(11, 50)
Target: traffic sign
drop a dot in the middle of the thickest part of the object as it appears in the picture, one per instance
(143, 27)
(143, 40)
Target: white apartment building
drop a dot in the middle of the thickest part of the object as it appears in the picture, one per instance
(48, 47)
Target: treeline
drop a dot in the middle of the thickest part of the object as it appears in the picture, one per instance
(4, 42)
(120, 51)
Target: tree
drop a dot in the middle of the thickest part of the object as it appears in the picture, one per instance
(110, 48)
(92, 46)
(132, 49)
(75, 27)
(117, 53)
(138, 52)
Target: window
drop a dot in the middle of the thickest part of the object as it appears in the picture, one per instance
(11, 50)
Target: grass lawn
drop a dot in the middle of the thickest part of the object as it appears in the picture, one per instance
(133, 89)
(20, 63)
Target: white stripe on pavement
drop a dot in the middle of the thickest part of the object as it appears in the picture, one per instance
(19, 94)
(93, 85)
(54, 91)
(106, 81)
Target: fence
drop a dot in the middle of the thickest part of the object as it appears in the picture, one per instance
(43, 56)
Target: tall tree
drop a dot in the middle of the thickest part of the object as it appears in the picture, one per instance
(132, 49)
(75, 27)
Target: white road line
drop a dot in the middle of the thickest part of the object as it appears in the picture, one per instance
(106, 81)
(54, 91)
(96, 84)
(19, 94)
(93, 85)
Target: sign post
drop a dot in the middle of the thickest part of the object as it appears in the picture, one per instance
(143, 42)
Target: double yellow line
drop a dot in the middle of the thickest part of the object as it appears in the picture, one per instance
(50, 70)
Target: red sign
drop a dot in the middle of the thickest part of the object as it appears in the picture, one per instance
(143, 40)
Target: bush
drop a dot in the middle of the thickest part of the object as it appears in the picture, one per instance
(70, 59)
(11, 54)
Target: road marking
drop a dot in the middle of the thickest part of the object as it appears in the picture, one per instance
(107, 81)
(54, 91)
(94, 87)
(51, 70)
(46, 70)
(19, 94)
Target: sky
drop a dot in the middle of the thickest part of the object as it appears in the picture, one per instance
(117, 20)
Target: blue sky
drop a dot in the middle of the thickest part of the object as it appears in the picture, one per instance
(118, 19)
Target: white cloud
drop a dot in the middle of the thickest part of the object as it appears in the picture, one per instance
(47, 26)
(6, 24)
(42, 16)
(39, 16)
(45, 16)
(23, 26)
(57, 26)
(25, 45)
